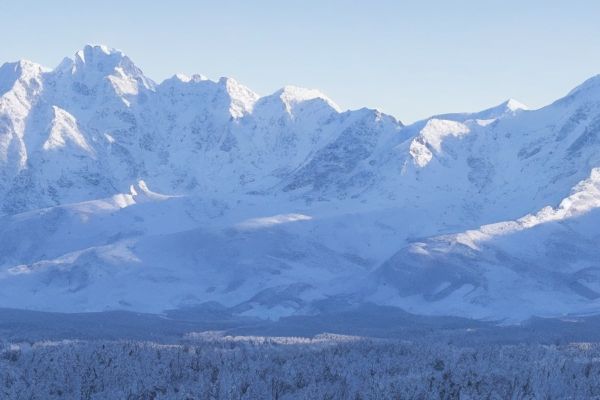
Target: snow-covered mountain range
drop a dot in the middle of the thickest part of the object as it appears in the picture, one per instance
(117, 192)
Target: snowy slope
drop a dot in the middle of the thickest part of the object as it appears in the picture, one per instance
(117, 192)
(546, 263)
(187, 134)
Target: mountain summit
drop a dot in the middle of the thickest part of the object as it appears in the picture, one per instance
(117, 192)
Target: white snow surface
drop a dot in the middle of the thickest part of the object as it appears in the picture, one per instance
(117, 192)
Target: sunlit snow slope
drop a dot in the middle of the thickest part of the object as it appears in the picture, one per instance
(117, 192)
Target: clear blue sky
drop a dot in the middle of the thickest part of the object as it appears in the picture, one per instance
(410, 59)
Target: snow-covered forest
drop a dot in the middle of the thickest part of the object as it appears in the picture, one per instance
(207, 366)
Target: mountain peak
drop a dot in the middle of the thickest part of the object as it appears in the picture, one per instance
(292, 95)
(510, 106)
(11, 72)
(514, 105)
(92, 52)
(242, 98)
(589, 84)
(102, 60)
(96, 63)
(187, 79)
(506, 108)
(23, 65)
(20, 68)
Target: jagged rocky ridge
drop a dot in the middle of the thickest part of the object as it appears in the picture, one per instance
(120, 193)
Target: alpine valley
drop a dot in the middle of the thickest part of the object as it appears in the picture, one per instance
(119, 193)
